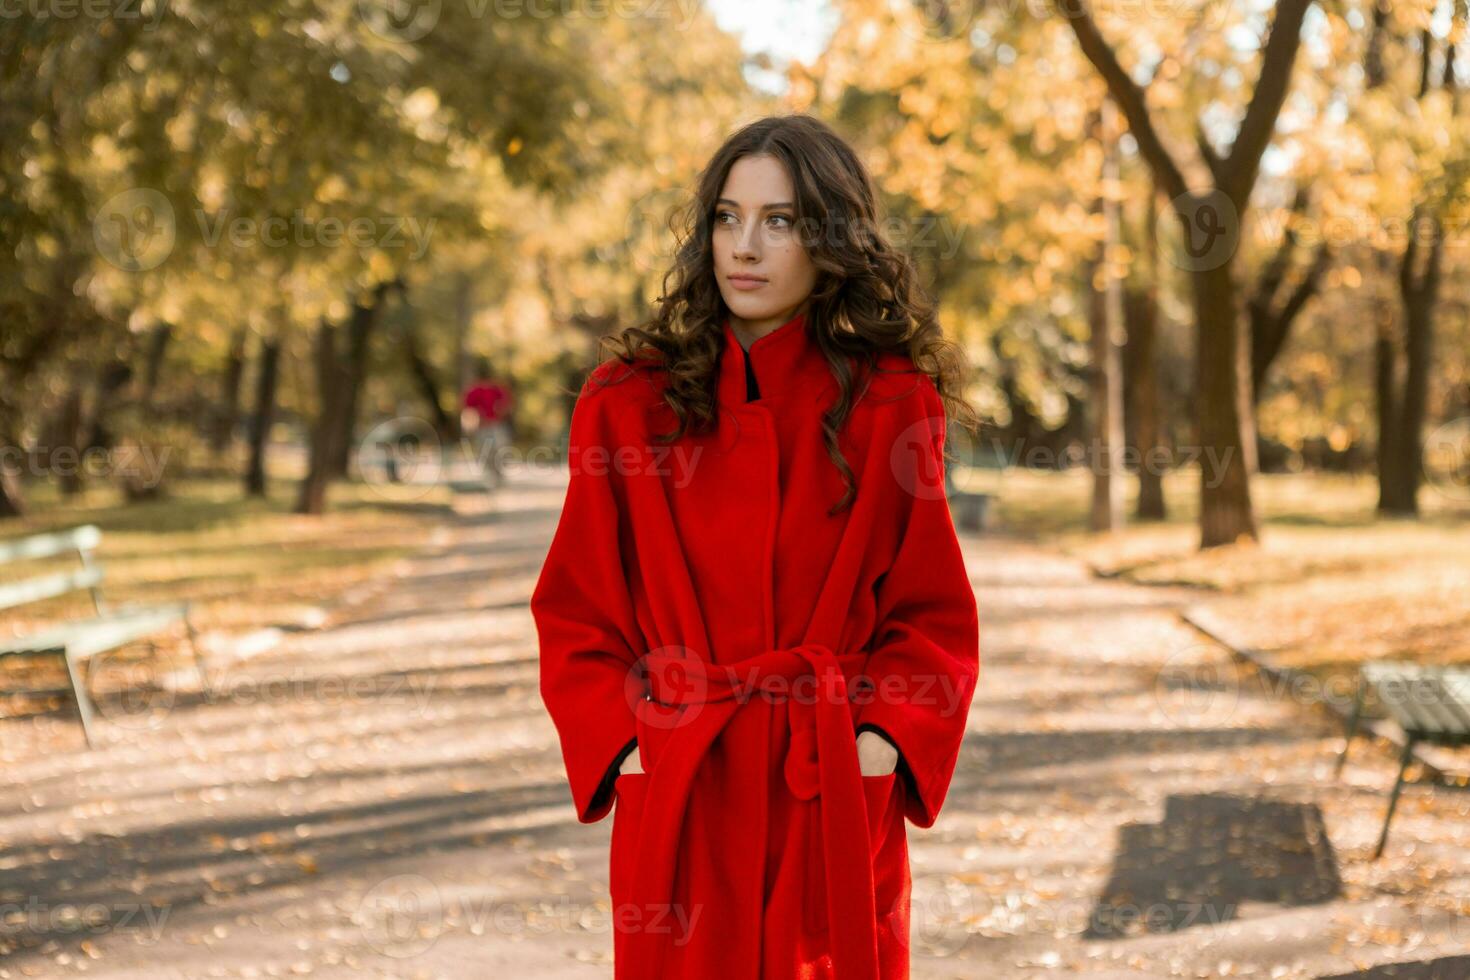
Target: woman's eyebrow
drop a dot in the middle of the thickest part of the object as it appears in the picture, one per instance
(764, 207)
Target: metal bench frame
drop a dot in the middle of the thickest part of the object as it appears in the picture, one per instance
(1430, 704)
(149, 619)
(971, 509)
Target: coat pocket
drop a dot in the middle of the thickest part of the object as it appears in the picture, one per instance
(629, 789)
(878, 796)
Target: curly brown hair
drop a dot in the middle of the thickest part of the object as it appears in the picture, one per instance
(867, 300)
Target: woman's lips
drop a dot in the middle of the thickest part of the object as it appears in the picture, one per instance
(740, 283)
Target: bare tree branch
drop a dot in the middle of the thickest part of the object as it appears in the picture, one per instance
(1273, 273)
(1127, 94)
(1208, 151)
(1277, 60)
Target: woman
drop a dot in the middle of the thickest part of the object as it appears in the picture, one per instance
(757, 633)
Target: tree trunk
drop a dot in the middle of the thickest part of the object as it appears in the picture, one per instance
(1227, 441)
(111, 380)
(12, 501)
(68, 436)
(1141, 389)
(1385, 390)
(12, 497)
(265, 408)
(1105, 320)
(364, 321)
(158, 342)
(229, 407)
(463, 313)
(423, 376)
(1420, 294)
(332, 377)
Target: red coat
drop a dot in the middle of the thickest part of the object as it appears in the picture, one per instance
(698, 599)
(490, 400)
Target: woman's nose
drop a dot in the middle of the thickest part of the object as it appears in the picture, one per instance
(747, 243)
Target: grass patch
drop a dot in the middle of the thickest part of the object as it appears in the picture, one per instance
(244, 561)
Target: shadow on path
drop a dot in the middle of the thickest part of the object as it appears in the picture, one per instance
(1208, 854)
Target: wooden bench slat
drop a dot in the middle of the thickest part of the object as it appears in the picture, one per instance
(1432, 705)
(1457, 702)
(1379, 670)
(1427, 695)
(1459, 679)
(48, 586)
(1428, 700)
(1399, 698)
(83, 538)
(1405, 699)
(88, 637)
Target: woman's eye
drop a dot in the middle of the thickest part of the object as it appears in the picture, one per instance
(782, 217)
(722, 215)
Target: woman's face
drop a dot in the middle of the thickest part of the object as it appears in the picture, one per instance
(764, 273)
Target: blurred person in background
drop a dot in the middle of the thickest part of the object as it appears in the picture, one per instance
(486, 419)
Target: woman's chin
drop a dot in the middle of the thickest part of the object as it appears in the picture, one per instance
(750, 307)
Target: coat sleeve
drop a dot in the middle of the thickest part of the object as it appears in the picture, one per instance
(585, 621)
(925, 651)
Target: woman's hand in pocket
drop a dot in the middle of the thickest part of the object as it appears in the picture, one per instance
(876, 755)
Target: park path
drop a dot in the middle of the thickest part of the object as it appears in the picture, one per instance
(384, 798)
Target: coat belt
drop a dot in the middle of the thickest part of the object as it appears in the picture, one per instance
(822, 760)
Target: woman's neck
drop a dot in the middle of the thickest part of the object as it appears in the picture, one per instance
(746, 336)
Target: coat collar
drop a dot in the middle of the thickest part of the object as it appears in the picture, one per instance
(787, 361)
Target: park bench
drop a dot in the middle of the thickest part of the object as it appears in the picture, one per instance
(971, 509)
(77, 642)
(1431, 704)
